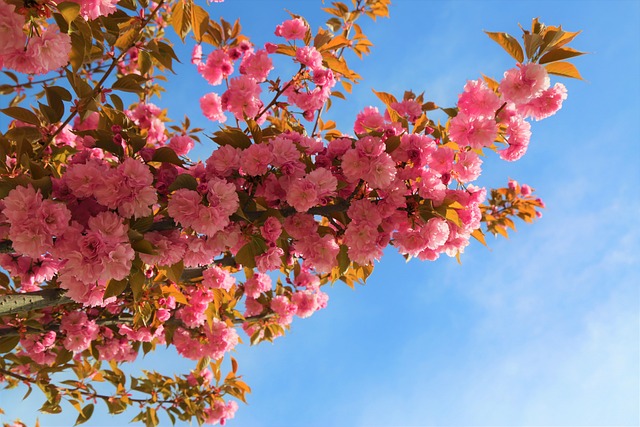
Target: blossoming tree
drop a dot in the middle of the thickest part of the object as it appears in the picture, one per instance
(115, 242)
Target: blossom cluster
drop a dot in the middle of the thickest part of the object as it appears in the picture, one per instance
(150, 246)
(524, 92)
(308, 90)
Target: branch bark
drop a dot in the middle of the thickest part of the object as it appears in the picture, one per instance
(20, 303)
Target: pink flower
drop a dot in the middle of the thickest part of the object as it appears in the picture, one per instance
(217, 278)
(478, 100)
(467, 167)
(12, 38)
(92, 9)
(257, 284)
(367, 120)
(410, 108)
(222, 196)
(168, 245)
(309, 56)
(211, 107)
(302, 194)
(79, 330)
(270, 260)
(546, 104)
(256, 65)
(473, 131)
(51, 49)
(307, 302)
(518, 135)
(436, 231)
(223, 161)
(293, 29)
(183, 206)
(255, 159)
(220, 412)
(181, 144)
(196, 55)
(362, 241)
(271, 229)
(300, 225)
(524, 83)
(284, 308)
(441, 160)
(242, 98)
(218, 67)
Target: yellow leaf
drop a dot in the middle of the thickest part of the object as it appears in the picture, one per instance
(171, 290)
(559, 54)
(479, 236)
(336, 43)
(452, 215)
(502, 230)
(69, 10)
(565, 69)
(199, 22)
(508, 43)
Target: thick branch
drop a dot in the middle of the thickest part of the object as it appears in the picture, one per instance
(20, 303)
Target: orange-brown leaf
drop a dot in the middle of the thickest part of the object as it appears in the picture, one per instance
(508, 43)
(559, 54)
(565, 69)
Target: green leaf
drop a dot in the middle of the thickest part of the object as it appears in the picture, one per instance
(144, 247)
(142, 224)
(86, 413)
(392, 143)
(130, 83)
(22, 114)
(343, 259)
(127, 38)
(69, 11)
(256, 131)
(8, 343)
(78, 49)
(144, 62)
(166, 155)
(175, 271)
(232, 136)
(184, 181)
(136, 282)
(508, 43)
(115, 288)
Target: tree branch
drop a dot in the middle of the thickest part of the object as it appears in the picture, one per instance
(20, 303)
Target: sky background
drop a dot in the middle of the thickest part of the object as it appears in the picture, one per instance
(542, 329)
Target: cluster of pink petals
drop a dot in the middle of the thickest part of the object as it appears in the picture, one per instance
(186, 207)
(94, 255)
(523, 92)
(293, 29)
(39, 347)
(220, 412)
(212, 341)
(43, 52)
(148, 117)
(93, 9)
(79, 331)
(34, 222)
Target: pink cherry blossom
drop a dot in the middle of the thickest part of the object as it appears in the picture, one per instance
(524, 83)
(473, 131)
(211, 106)
(293, 29)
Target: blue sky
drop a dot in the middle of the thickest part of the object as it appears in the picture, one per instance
(541, 329)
